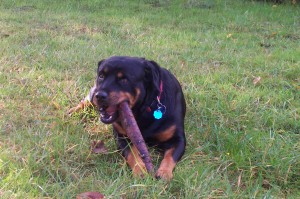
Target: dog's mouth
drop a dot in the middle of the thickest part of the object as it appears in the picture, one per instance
(108, 114)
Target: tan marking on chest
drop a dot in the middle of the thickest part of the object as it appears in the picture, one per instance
(166, 134)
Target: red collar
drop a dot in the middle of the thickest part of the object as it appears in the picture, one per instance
(160, 90)
(158, 97)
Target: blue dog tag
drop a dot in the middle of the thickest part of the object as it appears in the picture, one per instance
(157, 114)
(160, 111)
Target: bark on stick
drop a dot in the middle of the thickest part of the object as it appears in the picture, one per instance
(134, 134)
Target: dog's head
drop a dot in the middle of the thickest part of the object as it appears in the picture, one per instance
(121, 79)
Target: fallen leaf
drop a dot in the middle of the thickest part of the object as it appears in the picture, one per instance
(90, 195)
(256, 80)
(98, 147)
(266, 184)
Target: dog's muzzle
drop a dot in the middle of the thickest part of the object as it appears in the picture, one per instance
(108, 113)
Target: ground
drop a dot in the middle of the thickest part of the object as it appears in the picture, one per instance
(237, 61)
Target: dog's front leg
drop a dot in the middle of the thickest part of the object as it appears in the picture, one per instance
(171, 157)
(129, 152)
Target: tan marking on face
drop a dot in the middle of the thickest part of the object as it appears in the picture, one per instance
(119, 129)
(105, 69)
(165, 170)
(135, 162)
(166, 134)
(133, 99)
(118, 97)
(120, 75)
(129, 97)
(95, 101)
(138, 93)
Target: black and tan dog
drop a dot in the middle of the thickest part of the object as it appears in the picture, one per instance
(156, 100)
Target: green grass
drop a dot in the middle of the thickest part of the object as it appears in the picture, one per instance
(243, 139)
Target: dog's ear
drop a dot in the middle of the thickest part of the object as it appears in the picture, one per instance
(152, 75)
(99, 64)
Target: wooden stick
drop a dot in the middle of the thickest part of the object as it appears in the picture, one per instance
(134, 134)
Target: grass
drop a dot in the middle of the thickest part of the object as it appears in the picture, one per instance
(243, 138)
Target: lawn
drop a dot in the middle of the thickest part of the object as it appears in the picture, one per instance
(238, 62)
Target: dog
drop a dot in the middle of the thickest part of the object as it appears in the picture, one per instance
(157, 103)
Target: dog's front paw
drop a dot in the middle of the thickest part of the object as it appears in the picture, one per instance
(139, 171)
(165, 174)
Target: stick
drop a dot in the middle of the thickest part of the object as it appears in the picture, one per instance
(134, 134)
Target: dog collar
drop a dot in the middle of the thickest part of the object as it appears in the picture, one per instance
(160, 91)
(161, 108)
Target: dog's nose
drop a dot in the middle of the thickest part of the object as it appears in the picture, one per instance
(101, 95)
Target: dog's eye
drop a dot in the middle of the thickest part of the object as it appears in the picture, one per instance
(101, 77)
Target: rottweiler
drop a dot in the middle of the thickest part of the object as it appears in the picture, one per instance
(157, 103)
